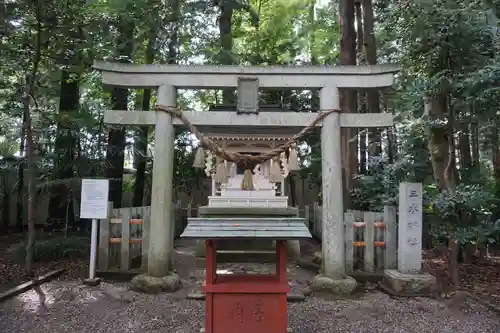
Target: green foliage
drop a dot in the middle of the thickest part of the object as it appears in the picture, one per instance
(443, 46)
(54, 248)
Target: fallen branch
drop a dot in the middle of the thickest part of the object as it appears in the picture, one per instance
(36, 282)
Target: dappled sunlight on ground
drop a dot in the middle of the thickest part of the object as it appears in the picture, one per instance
(31, 301)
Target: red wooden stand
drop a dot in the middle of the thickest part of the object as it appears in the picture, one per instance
(246, 303)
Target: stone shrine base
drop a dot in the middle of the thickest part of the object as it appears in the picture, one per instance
(153, 285)
(343, 286)
(402, 284)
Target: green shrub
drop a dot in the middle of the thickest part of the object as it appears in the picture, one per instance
(53, 249)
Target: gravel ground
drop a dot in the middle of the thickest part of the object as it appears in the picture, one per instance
(74, 308)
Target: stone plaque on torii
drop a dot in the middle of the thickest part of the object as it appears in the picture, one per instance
(168, 78)
(248, 95)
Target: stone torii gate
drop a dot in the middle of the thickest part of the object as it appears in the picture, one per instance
(167, 78)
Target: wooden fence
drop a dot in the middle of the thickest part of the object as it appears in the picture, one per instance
(371, 243)
(123, 237)
(371, 238)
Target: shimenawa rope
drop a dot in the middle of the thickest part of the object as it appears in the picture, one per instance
(246, 160)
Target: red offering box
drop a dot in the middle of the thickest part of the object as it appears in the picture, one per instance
(246, 303)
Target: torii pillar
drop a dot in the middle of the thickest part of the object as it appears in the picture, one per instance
(333, 278)
(160, 276)
(161, 234)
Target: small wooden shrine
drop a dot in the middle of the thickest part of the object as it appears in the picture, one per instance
(242, 191)
(246, 303)
(235, 187)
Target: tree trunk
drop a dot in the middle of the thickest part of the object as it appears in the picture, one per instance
(29, 91)
(454, 251)
(174, 36)
(31, 170)
(61, 203)
(141, 135)
(495, 147)
(464, 147)
(474, 143)
(438, 143)
(362, 93)
(442, 153)
(348, 97)
(20, 183)
(115, 152)
(451, 174)
(226, 43)
(5, 218)
(141, 152)
(370, 50)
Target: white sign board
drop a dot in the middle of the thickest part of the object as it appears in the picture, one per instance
(94, 200)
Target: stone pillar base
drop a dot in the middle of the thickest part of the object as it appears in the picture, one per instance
(401, 284)
(92, 282)
(150, 284)
(343, 286)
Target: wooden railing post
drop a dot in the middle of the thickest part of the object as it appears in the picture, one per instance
(349, 220)
(390, 216)
(125, 240)
(379, 240)
(369, 219)
(103, 254)
(145, 238)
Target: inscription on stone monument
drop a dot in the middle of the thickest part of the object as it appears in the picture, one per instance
(410, 228)
(413, 208)
(412, 224)
(412, 241)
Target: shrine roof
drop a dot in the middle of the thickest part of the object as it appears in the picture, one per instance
(224, 228)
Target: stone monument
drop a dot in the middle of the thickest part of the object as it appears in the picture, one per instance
(409, 279)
